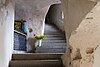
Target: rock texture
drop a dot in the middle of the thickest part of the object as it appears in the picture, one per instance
(82, 29)
(89, 50)
(86, 19)
(77, 54)
(87, 36)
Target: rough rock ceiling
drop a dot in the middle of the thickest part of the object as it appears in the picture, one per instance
(39, 3)
(33, 7)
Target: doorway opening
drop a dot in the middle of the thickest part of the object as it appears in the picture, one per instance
(55, 39)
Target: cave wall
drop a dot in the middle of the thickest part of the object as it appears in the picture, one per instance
(80, 31)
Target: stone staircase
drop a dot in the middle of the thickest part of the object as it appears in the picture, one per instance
(55, 41)
(36, 60)
(48, 55)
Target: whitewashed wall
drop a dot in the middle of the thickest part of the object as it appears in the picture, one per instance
(6, 31)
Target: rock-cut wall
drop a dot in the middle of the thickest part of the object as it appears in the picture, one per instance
(82, 30)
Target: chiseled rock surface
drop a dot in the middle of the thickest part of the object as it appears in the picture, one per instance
(89, 50)
(97, 57)
(83, 29)
(87, 36)
(77, 54)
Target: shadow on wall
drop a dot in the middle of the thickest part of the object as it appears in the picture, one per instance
(54, 16)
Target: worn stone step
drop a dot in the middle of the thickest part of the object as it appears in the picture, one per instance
(52, 29)
(54, 33)
(37, 56)
(54, 44)
(36, 63)
(51, 50)
(55, 38)
(54, 41)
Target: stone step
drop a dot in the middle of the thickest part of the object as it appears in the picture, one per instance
(47, 50)
(51, 29)
(50, 25)
(54, 33)
(37, 56)
(54, 41)
(55, 38)
(36, 63)
(54, 44)
(59, 36)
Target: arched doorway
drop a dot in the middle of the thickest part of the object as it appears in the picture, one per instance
(34, 17)
(55, 40)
